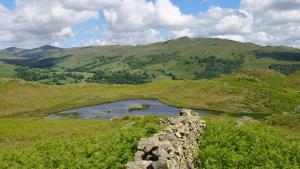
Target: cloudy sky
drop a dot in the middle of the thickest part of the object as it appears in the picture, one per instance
(67, 23)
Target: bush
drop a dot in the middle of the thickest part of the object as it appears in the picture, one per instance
(253, 145)
(285, 69)
(120, 77)
(105, 150)
(215, 67)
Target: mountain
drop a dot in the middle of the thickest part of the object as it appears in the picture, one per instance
(49, 47)
(13, 50)
(19, 53)
(182, 58)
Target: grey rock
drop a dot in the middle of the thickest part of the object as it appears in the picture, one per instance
(242, 120)
(162, 164)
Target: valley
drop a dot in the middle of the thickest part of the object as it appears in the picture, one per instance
(231, 78)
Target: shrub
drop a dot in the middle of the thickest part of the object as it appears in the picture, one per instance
(253, 145)
(105, 150)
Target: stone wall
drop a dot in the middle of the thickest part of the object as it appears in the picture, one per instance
(172, 148)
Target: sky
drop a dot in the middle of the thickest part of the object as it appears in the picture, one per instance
(73, 23)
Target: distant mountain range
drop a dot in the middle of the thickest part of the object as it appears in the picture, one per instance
(182, 58)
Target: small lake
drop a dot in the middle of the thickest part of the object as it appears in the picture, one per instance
(122, 108)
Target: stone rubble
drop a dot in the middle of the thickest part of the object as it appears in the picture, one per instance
(242, 120)
(172, 148)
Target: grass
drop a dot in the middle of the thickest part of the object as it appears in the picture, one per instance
(291, 121)
(254, 145)
(33, 142)
(29, 143)
(114, 58)
(249, 91)
(39, 143)
(7, 70)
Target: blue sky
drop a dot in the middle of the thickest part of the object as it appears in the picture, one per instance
(67, 23)
(8, 3)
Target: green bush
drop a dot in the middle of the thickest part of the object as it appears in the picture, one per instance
(253, 145)
(285, 68)
(215, 67)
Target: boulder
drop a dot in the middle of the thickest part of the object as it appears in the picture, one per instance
(242, 120)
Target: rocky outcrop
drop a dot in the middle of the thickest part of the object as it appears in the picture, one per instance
(172, 148)
(242, 120)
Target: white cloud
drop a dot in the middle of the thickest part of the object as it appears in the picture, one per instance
(139, 21)
(136, 15)
(89, 4)
(234, 24)
(231, 37)
(64, 33)
(36, 22)
(276, 21)
(181, 33)
(134, 38)
(95, 42)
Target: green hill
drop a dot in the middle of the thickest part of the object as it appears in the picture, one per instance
(245, 92)
(182, 58)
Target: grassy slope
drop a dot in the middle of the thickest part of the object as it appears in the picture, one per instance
(184, 48)
(71, 143)
(253, 145)
(28, 143)
(250, 91)
(7, 70)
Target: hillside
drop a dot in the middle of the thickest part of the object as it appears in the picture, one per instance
(182, 58)
(244, 92)
(27, 140)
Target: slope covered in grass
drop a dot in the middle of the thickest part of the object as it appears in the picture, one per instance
(28, 143)
(182, 58)
(253, 145)
(249, 91)
(71, 143)
(7, 70)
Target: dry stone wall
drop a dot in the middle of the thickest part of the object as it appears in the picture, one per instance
(172, 148)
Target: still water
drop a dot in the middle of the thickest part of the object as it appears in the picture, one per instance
(121, 108)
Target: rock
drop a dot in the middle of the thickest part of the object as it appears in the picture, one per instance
(203, 122)
(188, 112)
(285, 113)
(172, 148)
(177, 134)
(297, 109)
(138, 165)
(128, 125)
(162, 164)
(241, 121)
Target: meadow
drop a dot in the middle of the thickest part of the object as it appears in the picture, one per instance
(248, 91)
(27, 140)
